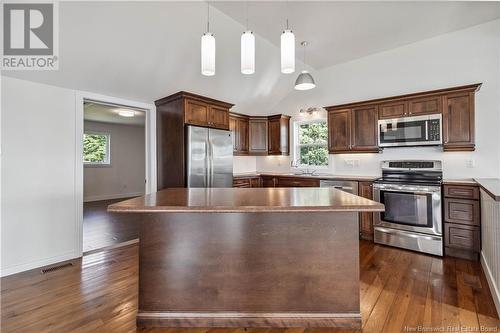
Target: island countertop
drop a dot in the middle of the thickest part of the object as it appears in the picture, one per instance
(238, 200)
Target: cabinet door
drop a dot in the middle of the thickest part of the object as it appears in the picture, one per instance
(339, 131)
(218, 117)
(268, 181)
(257, 136)
(196, 113)
(393, 110)
(243, 135)
(274, 135)
(462, 237)
(364, 122)
(458, 122)
(233, 127)
(255, 182)
(366, 218)
(424, 105)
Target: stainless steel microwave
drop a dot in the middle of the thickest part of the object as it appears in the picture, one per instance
(410, 131)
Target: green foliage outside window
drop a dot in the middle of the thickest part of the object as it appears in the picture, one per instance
(313, 149)
(95, 148)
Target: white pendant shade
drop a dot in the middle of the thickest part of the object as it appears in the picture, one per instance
(287, 52)
(208, 54)
(247, 53)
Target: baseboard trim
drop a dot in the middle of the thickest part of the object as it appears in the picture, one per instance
(239, 319)
(38, 263)
(112, 196)
(495, 292)
(112, 247)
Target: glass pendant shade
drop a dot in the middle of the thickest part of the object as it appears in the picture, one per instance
(304, 81)
(247, 53)
(208, 54)
(287, 52)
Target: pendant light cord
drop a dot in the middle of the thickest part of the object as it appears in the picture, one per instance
(287, 14)
(247, 14)
(208, 16)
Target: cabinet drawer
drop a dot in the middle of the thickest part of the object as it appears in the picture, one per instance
(297, 182)
(461, 192)
(242, 182)
(461, 211)
(462, 237)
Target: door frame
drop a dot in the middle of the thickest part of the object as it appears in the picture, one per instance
(150, 150)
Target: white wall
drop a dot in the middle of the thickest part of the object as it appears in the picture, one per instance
(38, 175)
(125, 175)
(42, 173)
(462, 57)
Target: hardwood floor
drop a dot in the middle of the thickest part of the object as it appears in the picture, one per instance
(398, 289)
(102, 229)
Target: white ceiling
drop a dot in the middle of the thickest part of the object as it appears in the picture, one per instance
(109, 114)
(143, 51)
(343, 31)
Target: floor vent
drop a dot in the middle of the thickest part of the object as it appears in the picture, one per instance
(57, 267)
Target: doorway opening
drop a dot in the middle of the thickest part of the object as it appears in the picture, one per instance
(114, 169)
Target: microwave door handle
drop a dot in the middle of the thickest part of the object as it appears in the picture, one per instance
(427, 130)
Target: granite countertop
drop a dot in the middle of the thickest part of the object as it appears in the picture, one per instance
(458, 181)
(490, 186)
(228, 200)
(315, 176)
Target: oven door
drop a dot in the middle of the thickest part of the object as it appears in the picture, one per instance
(409, 207)
(410, 131)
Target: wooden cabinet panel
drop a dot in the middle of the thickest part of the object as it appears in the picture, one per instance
(339, 131)
(278, 135)
(238, 124)
(391, 110)
(425, 105)
(255, 182)
(257, 128)
(366, 218)
(462, 237)
(246, 182)
(196, 112)
(233, 127)
(461, 192)
(364, 129)
(268, 181)
(218, 117)
(296, 182)
(461, 211)
(243, 135)
(458, 121)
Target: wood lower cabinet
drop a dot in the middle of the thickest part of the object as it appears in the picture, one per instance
(458, 121)
(462, 221)
(353, 130)
(366, 219)
(278, 135)
(247, 182)
(269, 181)
(288, 181)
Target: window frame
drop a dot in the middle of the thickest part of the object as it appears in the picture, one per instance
(107, 162)
(297, 145)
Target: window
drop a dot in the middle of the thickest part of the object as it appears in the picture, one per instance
(96, 149)
(311, 143)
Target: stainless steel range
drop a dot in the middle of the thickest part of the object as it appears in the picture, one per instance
(411, 193)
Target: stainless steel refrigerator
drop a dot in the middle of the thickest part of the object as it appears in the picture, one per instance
(209, 157)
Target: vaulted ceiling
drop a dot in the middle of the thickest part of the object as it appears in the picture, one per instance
(147, 50)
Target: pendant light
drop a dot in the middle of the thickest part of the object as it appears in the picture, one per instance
(305, 80)
(287, 49)
(208, 49)
(247, 49)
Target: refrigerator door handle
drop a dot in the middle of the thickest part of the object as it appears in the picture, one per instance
(207, 166)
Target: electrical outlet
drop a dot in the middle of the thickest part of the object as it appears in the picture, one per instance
(470, 163)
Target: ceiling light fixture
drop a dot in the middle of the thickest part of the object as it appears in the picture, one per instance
(287, 50)
(305, 80)
(208, 49)
(126, 113)
(247, 49)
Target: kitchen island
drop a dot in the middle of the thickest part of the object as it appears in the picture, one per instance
(248, 257)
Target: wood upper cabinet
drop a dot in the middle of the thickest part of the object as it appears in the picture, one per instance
(238, 124)
(218, 117)
(257, 136)
(364, 122)
(458, 121)
(353, 130)
(202, 111)
(339, 131)
(278, 135)
(424, 105)
(196, 112)
(389, 110)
